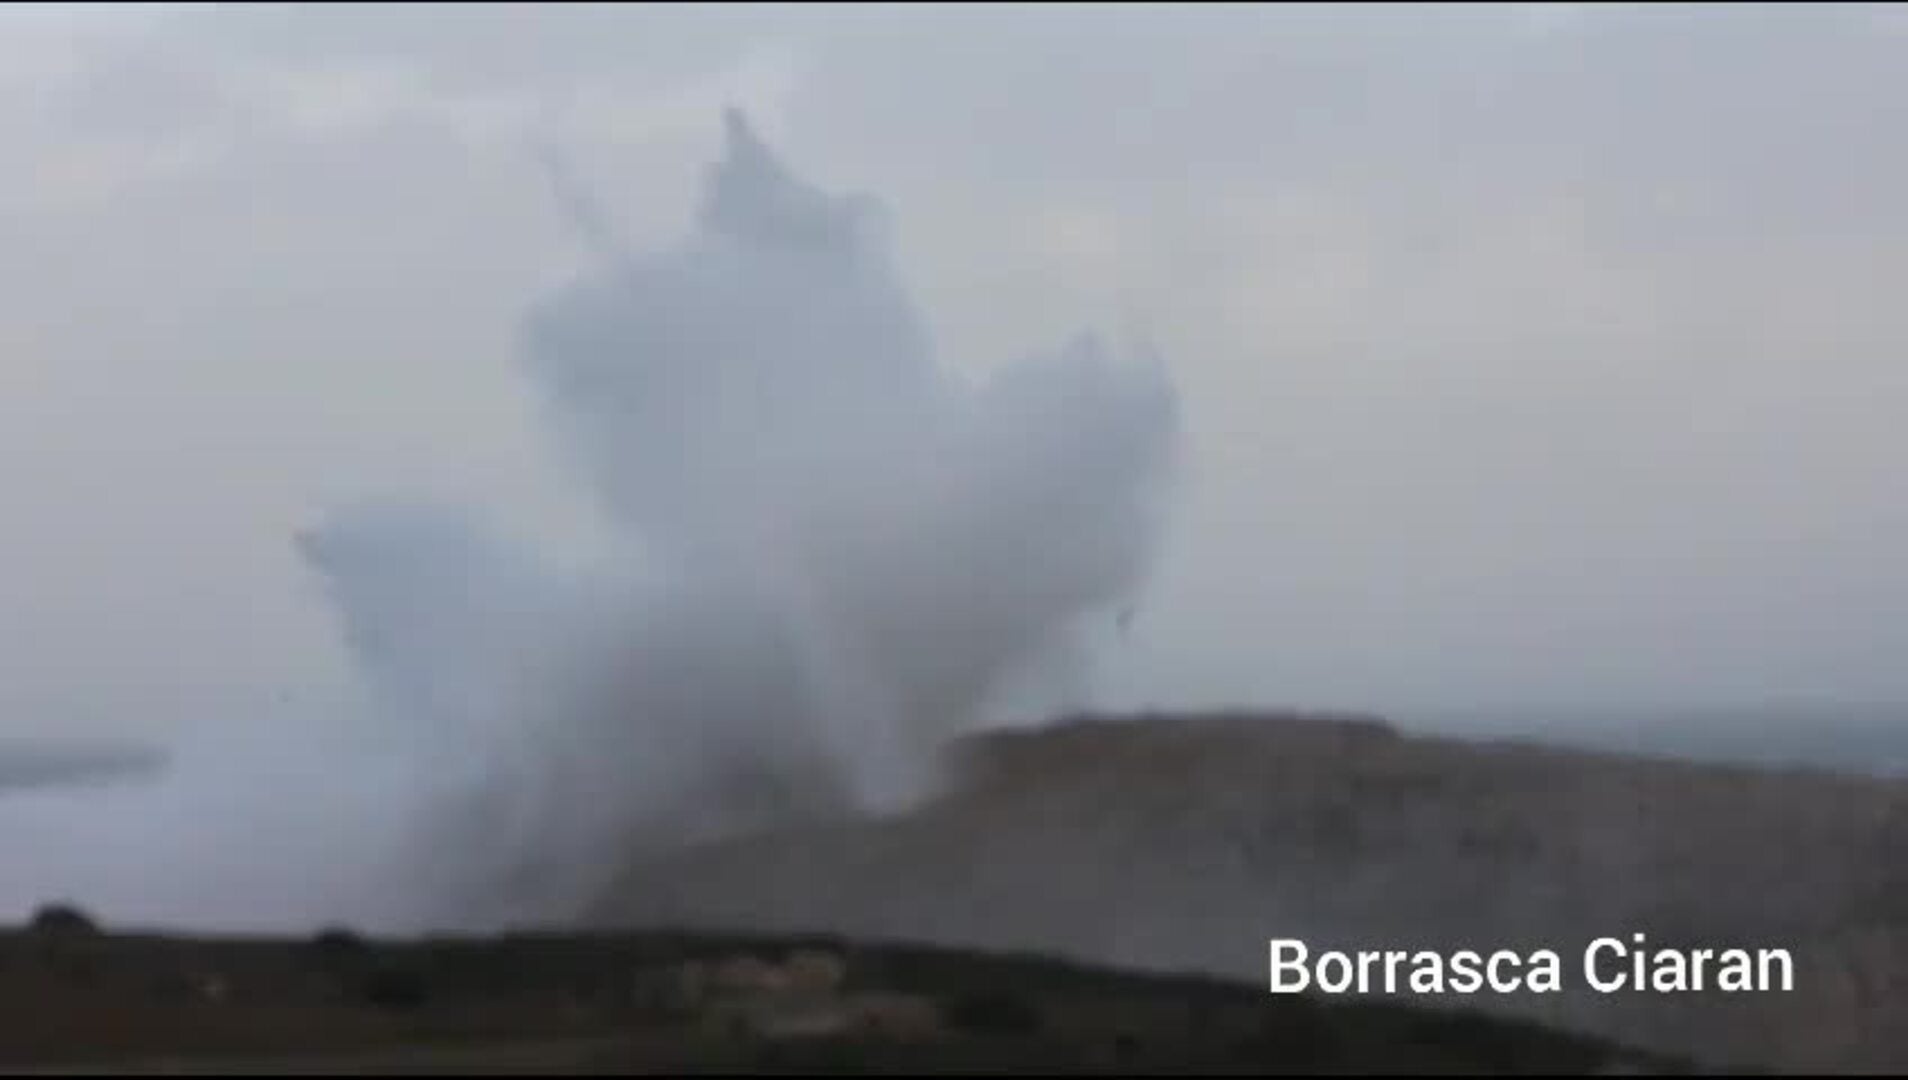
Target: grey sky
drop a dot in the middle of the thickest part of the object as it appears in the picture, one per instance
(1526, 356)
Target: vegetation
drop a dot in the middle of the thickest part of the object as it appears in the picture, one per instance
(993, 1014)
(63, 919)
(621, 1003)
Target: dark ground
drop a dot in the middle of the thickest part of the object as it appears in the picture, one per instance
(74, 997)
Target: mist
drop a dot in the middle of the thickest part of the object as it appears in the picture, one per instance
(828, 555)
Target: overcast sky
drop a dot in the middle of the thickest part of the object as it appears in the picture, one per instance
(1527, 353)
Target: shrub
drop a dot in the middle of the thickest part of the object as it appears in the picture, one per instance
(65, 919)
(337, 942)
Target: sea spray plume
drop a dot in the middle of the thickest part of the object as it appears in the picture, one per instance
(773, 344)
(761, 404)
(561, 717)
(586, 216)
(844, 549)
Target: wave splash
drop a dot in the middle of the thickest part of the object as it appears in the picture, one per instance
(834, 553)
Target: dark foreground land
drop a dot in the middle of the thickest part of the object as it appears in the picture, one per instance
(74, 998)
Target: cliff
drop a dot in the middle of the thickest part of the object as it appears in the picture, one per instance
(1186, 843)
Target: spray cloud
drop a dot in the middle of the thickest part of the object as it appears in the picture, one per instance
(836, 551)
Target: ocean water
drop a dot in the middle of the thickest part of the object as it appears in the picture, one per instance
(1867, 739)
